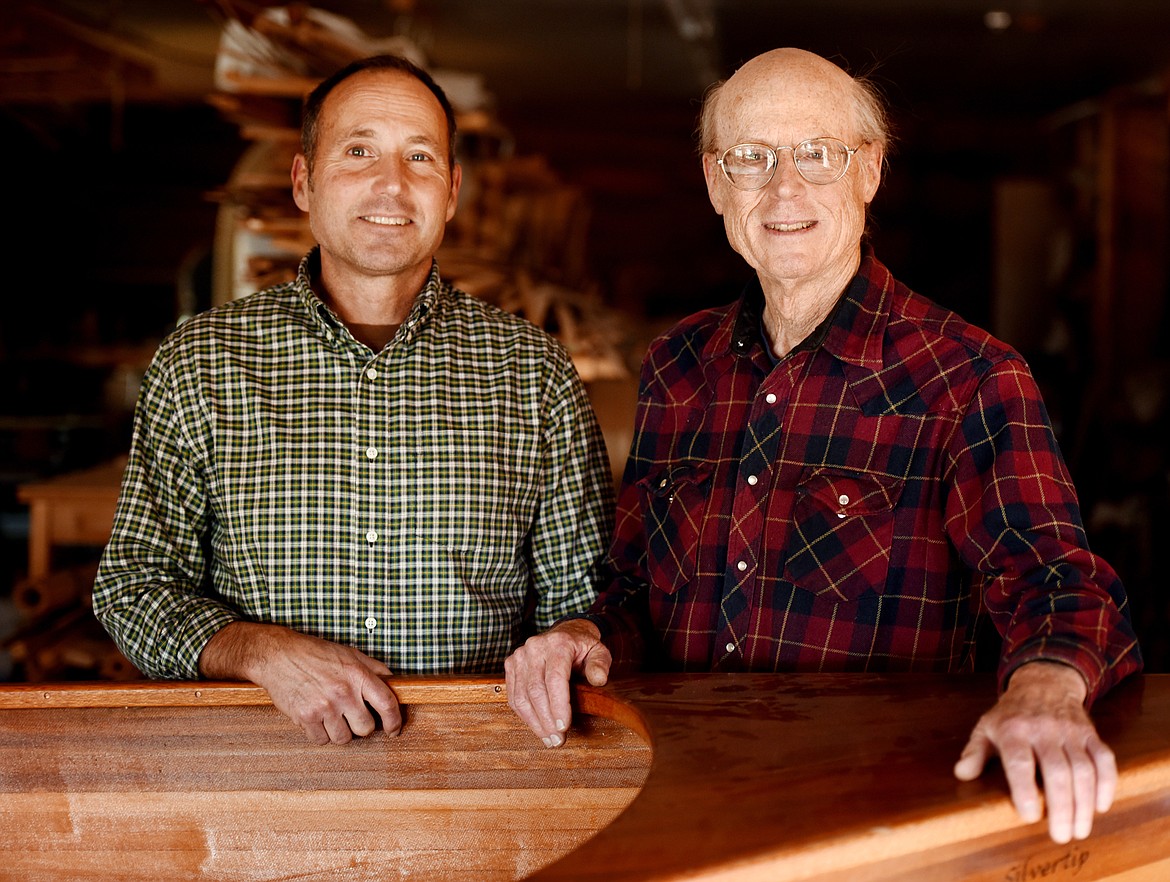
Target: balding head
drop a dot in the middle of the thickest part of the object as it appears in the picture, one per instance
(798, 72)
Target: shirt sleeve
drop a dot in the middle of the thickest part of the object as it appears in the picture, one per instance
(572, 526)
(1013, 515)
(149, 593)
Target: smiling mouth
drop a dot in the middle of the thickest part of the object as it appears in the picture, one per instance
(791, 228)
(386, 221)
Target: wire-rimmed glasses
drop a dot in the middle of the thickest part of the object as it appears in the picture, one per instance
(817, 160)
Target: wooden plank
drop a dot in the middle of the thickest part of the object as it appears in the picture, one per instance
(231, 790)
(153, 693)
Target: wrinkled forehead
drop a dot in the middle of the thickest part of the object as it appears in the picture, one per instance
(785, 106)
(389, 95)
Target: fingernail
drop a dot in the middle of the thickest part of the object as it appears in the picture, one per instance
(556, 740)
(561, 725)
(547, 739)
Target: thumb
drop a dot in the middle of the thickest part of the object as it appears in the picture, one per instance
(597, 664)
(973, 758)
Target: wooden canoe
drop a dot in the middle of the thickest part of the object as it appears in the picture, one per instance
(664, 777)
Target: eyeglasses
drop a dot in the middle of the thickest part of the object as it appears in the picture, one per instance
(817, 160)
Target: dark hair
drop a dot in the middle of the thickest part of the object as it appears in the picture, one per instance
(315, 100)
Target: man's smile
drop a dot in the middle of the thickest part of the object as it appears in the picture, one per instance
(790, 228)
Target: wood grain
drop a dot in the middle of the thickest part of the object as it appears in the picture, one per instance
(848, 778)
(821, 778)
(218, 785)
(153, 693)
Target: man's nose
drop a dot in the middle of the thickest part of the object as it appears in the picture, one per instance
(786, 176)
(388, 175)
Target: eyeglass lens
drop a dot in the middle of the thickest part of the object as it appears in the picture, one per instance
(819, 161)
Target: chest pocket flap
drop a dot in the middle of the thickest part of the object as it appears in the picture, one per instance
(843, 527)
(674, 500)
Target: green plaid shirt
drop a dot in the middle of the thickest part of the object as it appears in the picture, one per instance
(415, 503)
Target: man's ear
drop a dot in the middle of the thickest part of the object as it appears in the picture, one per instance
(300, 182)
(456, 183)
(714, 178)
(871, 156)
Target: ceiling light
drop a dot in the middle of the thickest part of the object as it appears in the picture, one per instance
(997, 20)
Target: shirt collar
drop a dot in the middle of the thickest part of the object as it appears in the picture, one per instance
(310, 268)
(852, 331)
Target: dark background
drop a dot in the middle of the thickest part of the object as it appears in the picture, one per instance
(114, 156)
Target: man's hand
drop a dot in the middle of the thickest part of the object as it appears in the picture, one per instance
(325, 688)
(537, 675)
(1041, 720)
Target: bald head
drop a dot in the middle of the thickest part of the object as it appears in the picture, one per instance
(799, 74)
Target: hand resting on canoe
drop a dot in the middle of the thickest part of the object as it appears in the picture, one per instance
(1038, 725)
(331, 691)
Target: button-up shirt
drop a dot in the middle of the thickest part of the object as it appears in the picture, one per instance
(414, 503)
(857, 505)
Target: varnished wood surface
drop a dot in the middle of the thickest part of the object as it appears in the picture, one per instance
(753, 777)
(207, 781)
(155, 693)
(848, 777)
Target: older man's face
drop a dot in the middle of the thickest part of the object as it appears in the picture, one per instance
(793, 233)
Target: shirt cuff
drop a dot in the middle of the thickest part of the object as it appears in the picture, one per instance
(183, 634)
(1076, 656)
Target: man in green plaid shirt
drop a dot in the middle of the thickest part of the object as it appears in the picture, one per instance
(363, 470)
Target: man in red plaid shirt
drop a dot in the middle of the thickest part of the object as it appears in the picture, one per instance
(835, 474)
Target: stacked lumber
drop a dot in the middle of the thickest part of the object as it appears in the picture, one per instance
(518, 238)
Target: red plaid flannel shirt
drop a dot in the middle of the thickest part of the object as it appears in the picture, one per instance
(857, 506)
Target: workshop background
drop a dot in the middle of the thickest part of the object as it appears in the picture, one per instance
(147, 143)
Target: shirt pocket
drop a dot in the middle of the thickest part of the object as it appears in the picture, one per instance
(673, 502)
(842, 531)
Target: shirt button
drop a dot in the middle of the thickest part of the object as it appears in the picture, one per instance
(371, 452)
(753, 480)
(730, 647)
(843, 499)
(372, 373)
(371, 623)
(770, 398)
(372, 536)
(741, 566)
